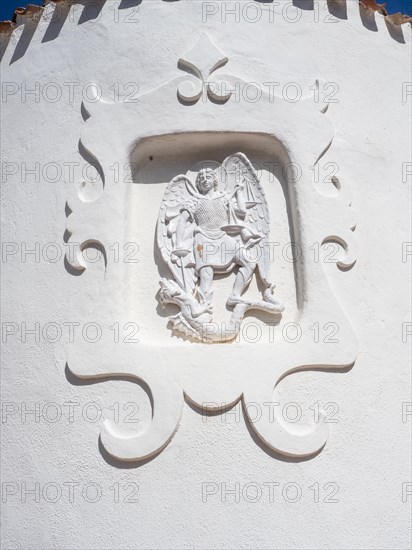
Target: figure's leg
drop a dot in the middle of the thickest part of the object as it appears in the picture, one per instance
(242, 280)
(243, 276)
(269, 297)
(206, 285)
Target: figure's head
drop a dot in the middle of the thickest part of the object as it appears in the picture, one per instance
(206, 180)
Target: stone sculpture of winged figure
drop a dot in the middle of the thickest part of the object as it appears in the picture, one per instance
(216, 225)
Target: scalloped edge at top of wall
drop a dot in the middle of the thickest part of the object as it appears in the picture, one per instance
(32, 13)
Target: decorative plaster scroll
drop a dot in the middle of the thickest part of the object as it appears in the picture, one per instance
(200, 62)
(212, 377)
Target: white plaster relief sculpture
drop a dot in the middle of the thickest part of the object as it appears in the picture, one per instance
(218, 224)
(294, 134)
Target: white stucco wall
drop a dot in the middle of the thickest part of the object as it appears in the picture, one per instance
(181, 493)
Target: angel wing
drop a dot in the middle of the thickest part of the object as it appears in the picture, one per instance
(238, 170)
(179, 192)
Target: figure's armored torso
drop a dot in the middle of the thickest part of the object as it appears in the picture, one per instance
(211, 214)
(213, 247)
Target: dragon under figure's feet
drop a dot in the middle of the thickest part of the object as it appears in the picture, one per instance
(201, 309)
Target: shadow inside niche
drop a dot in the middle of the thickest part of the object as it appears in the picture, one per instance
(395, 31)
(338, 8)
(58, 18)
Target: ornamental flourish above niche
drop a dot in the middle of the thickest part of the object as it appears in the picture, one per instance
(212, 192)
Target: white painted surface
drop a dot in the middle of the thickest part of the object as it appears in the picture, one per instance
(367, 454)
